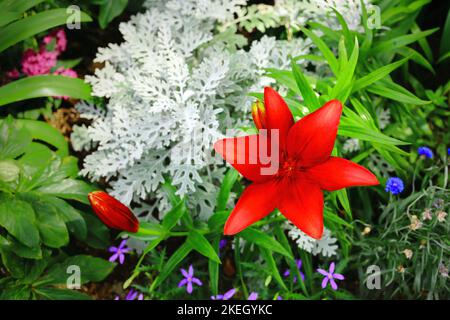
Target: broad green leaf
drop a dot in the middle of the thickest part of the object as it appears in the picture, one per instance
(19, 219)
(98, 235)
(199, 243)
(52, 229)
(27, 270)
(376, 75)
(22, 250)
(43, 131)
(61, 294)
(262, 239)
(14, 139)
(225, 189)
(9, 171)
(68, 189)
(11, 10)
(173, 261)
(44, 86)
(109, 10)
(308, 94)
(91, 269)
(28, 27)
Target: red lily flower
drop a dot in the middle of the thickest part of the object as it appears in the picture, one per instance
(305, 166)
(112, 212)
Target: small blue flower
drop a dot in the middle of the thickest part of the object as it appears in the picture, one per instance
(394, 185)
(448, 151)
(426, 152)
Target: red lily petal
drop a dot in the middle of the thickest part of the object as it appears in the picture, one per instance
(256, 202)
(244, 154)
(278, 115)
(311, 139)
(303, 206)
(337, 173)
(112, 212)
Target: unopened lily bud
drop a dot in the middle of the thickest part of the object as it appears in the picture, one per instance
(112, 212)
(259, 114)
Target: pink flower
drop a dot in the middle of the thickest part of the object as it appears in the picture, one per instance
(59, 36)
(13, 74)
(38, 63)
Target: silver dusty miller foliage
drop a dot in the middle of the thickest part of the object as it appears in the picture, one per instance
(172, 88)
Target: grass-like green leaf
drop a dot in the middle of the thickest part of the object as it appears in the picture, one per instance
(44, 86)
(263, 240)
(28, 27)
(199, 243)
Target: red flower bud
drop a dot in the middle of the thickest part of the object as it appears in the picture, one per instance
(112, 212)
(259, 114)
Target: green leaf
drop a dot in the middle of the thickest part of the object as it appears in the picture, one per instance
(28, 27)
(213, 268)
(22, 250)
(198, 242)
(14, 139)
(383, 91)
(263, 240)
(27, 270)
(19, 219)
(109, 10)
(149, 231)
(327, 53)
(171, 218)
(345, 77)
(43, 131)
(44, 86)
(61, 294)
(308, 94)
(225, 189)
(9, 171)
(267, 254)
(52, 229)
(376, 75)
(69, 189)
(218, 219)
(91, 269)
(173, 261)
(72, 217)
(98, 235)
(401, 41)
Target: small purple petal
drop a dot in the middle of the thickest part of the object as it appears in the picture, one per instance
(114, 257)
(253, 296)
(131, 295)
(141, 297)
(279, 298)
(184, 273)
(324, 282)
(302, 275)
(322, 272)
(182, 282)
(332, 265)
(197, 281)
(229, 294)
(123, 243)
(189, 287)
(299, 263)
(287, 273)
(121, 258)
(113, 249)
(191, 270)
(333, 284)
(338, 276)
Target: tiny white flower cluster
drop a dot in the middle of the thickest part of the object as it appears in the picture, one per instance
(326, 246)
(351, 145)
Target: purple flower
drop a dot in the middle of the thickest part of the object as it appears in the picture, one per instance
(222, 244)
(189, 279)
(253, 296)
(38, 63)
(287, 273)
(133, 294)
(425, 152)
(394, 185)
(279, 298)
(119, 252)
(330, 276)
(226, 296)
